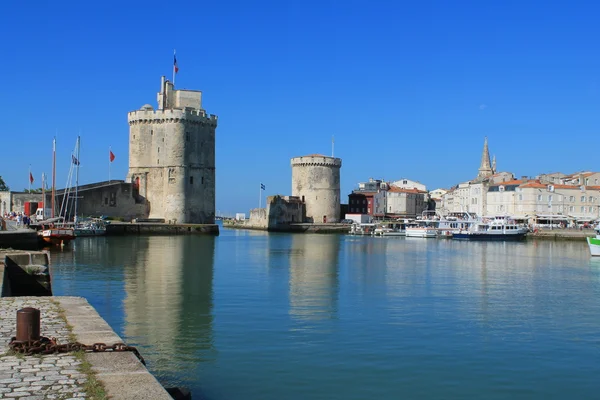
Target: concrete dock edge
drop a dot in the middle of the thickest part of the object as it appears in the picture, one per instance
(121, 373)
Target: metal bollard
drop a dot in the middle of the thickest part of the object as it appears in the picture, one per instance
(28, 324)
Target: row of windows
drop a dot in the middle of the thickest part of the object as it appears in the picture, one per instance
(357, 201)
(590, 199)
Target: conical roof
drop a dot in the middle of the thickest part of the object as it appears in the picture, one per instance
(485, 169)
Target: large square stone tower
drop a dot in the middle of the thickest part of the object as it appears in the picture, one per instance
(172, 156)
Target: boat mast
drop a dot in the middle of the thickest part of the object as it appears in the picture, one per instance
(76, 176)
(43, 195)
(53, 174)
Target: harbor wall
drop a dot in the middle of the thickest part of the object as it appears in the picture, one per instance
(292, 228)
(118, 229)
(24, 273)
(20, 240)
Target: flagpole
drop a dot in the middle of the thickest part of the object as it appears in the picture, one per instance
(29, 178)
(174, 55)
(332, 144)
(260, 196)
(109, 151)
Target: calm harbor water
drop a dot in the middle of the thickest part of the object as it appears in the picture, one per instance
(252, 315)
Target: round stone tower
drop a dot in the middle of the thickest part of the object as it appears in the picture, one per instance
(172, 157)
(316, 180)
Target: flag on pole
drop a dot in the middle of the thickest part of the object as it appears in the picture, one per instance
(74, 159)
(262, 187)
(30, 178)
(111, 156)
(175, 67)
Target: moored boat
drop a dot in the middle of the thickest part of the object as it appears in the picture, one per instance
(53, 233)
(92, 227)
(501, 230)
(425, 227)
(594, 243)
(390, 228)
(421, 231)
(362, 229)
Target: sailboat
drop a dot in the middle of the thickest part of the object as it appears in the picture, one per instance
(54, 231)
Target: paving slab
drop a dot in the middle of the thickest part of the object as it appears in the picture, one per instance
(59, 376)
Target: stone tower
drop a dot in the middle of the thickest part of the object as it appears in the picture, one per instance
(172, 156)
(485, 169)
(316, 180)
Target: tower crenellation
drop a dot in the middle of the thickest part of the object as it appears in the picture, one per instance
(172, 156)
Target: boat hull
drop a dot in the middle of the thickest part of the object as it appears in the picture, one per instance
(490, 237)
(393, 234)
(594, 245)
(57, 236)
(421, 233)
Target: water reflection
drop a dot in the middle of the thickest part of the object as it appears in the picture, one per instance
(169, 301)
(314, 282)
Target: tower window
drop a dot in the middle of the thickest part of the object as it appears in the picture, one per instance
(158, 161)
(151, 132)
(187, 137)
(159, 149)
(163, 140)
(134, 136)
(191, 180)
(202, 180)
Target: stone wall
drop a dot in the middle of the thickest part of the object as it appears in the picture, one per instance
(15, 201)
(316, 181)
(280, 212)
(116, 199)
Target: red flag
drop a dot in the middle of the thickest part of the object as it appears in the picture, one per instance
(111, 156)
(30, 177)
(175, 66)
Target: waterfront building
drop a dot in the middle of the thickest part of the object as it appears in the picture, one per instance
(396, 202)
(316, 180)
(535, 200)
(436, 196)
(172, 156)
(15, 201)
(409, 184)
(360, 201)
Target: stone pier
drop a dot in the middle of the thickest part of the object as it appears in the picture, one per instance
(114, 375)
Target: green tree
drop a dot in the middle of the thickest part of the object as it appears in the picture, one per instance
(38, 190)
(3, 186)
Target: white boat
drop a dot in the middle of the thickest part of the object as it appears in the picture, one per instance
(498, 229)
(390, 228)
(594, 243)
(425, 227)
(421, 231)
(456, 222)
(90, 228)
(362, 229)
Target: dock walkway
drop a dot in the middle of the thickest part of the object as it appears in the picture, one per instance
(68, 376)
(52, 376)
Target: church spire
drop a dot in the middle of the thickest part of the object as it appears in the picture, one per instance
(485, 168)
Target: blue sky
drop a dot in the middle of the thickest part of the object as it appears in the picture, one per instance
(409, 89)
